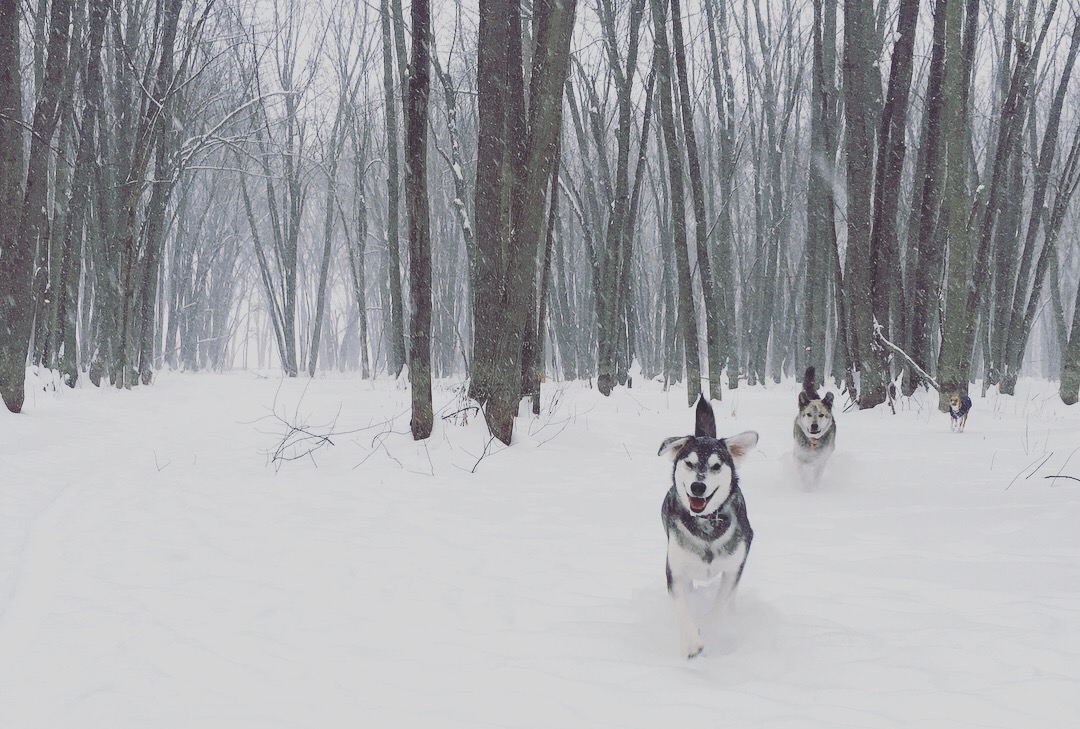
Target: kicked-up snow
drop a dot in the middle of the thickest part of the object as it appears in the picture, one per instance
(239, 551)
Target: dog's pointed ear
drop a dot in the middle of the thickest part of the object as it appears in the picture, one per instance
(671, 446)
(827, 400)
(804, 400)
(705, 425)
(739, 445)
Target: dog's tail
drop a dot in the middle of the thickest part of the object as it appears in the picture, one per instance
(808, 380)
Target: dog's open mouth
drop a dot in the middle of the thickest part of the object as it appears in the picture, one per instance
(697, 504)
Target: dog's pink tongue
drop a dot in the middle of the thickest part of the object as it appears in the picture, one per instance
(697, 503)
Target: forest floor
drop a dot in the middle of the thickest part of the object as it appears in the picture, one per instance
(170, 559)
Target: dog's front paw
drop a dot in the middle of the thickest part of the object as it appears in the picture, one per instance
(692, 648)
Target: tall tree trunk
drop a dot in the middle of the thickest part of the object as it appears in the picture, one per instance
(956, 347)
(146, 134)
(884, 242)
(861, 88)
(960, 322)
(16, 252)
(357, 250)
(1021, 315)
(613, 256)
(416, 200)
(926, 232)
(523, 173)
(820, 204)
(337, 139)
(393, 192)
(1069, 390)
(713, 333)
(724, 96)
(687, 315)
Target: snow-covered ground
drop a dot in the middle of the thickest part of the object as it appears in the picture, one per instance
(159, 568)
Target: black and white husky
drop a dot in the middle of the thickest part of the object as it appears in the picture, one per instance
(815, 432)
(704, 515)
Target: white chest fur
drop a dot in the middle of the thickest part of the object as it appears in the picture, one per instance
(692, 558)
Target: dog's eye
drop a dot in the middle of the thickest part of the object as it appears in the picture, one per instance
(690, 465)
(714, 467)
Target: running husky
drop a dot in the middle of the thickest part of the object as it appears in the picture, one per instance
(815, 432)
(704, 515)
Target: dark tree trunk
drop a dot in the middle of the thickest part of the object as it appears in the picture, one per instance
(713, 333)
(337, 139)
(820, 218)
(1021, 315)
(16, 252)
(724, 92)
(861, 90)
(1069, 389)
(357, 249)
(522, 170)
(960, 321)
(884, 242)
(416, 200)
(614, 258)
(926, 236)
(687, 315)
(147, 133)
(393, 193)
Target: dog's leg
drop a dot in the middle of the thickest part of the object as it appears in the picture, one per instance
(729, 582)
(679, 589)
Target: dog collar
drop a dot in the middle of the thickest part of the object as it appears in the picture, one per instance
(716, 516)
(813, 442)
(718, 519)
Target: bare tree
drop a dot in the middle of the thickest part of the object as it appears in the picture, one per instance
(891, 148)
(861, 90)
(927, 226)
(615, 256)
(713, 332)
(513, 224)
(1016, 321)
(416, 196)
(393, 191)
(687, 316)
(16, 252)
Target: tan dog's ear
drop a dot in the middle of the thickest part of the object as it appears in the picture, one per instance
(671, 446)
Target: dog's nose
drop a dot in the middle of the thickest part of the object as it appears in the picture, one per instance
(814, 428)
(697, 488)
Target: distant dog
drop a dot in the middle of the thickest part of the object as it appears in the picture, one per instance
(815, 432)
(704, 515)
(959, 407)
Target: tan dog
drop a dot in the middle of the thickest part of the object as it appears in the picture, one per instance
(815, 433)
(959, 407)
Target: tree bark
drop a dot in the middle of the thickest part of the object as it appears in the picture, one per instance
(613, 257)
(16, 252)
(416, 200)
(884, 242)
(393, 196)
(713, 332)
(860, 94)
(926, 232)
(513, 159)
(820, 204)
(1018, 325)
(687, 315)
